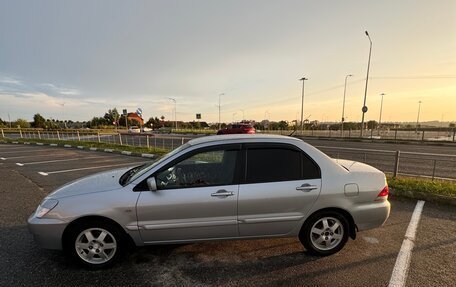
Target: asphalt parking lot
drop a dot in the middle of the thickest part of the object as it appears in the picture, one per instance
(28, 173)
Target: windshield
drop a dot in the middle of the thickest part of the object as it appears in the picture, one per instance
(135, 172)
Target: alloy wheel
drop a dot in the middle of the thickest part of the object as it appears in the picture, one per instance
(96, 245)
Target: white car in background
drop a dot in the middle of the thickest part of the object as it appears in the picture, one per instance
(134, 130)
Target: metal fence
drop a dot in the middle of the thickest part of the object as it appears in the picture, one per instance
(413, 135)
(448, 135)
(434, 166)
(140, 140)
(428, 165)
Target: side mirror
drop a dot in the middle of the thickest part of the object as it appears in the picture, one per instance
(152, 184)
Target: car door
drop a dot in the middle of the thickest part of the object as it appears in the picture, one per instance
(280, 186)
(196, 198)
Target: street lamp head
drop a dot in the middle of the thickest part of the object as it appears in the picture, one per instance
(350, 75)
(303, 79)
(367, 34)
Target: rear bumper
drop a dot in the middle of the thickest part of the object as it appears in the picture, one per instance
(47, 232)
(372, 215)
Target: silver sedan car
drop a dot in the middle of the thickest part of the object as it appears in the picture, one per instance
(213, 188)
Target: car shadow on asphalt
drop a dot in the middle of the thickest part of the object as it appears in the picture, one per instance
(218, 262)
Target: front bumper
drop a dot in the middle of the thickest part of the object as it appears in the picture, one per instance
(47, 232)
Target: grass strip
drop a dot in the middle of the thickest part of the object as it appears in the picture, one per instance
(437, 191)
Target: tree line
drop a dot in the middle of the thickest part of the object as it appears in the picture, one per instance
(112, 119)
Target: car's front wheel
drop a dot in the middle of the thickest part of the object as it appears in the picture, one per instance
(325, 233)
(94, 244)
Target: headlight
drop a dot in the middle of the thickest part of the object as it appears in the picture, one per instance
(46, 206)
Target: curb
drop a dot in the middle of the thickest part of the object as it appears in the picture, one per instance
(128, 153)
(148, 155)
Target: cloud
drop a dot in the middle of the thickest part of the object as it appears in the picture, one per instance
(10, 81)
(22, 95)
(64, 91)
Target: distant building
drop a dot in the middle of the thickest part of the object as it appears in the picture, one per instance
(135, 117)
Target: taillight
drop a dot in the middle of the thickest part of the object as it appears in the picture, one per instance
(383, 194)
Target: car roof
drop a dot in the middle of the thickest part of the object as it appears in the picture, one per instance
(242, 138)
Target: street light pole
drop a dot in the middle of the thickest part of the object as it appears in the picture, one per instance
(243, 118)
(364, 109)
(234, 114)
(343, 106)
(302, 104)
(380, 118)
(418, 117)
(175, 111)
(219, 107)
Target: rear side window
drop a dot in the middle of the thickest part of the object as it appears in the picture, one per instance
(310, 169)
(279, 164)
(272, 164)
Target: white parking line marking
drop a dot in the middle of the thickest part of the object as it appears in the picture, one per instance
(25, 151)
(57, 160)
(371, 240)
(27, 156)
(86, 168)
(14, 148)
(400, 271)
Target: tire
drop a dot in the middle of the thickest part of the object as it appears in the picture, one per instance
(95, 244)
(325, 233)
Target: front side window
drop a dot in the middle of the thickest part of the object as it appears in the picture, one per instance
(208, 168)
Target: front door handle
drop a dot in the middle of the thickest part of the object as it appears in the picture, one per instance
(222, 193)
(307, 187)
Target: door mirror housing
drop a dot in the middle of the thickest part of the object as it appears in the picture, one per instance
(152, 184)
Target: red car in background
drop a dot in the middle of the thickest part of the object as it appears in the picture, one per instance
(237, 129)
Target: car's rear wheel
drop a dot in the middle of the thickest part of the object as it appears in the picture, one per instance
(95, 245)
(325, 233)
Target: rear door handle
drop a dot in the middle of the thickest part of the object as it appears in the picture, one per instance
(222, 193)
(307, 187)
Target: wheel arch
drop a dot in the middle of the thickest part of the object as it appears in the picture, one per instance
(92, 218)
(352, 225)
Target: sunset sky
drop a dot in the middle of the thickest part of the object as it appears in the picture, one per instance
(95, 55)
